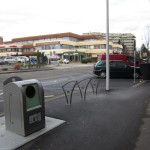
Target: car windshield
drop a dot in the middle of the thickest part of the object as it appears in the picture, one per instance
(100, 63)
(20, 57)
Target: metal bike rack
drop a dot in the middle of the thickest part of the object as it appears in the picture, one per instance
(69, 91)
(82, 85)
(83, 88)
(95, 85)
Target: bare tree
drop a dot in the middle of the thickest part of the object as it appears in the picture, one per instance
(147, 37)
(144, 52)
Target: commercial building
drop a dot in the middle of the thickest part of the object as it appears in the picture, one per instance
(62, 45)
(126, 39)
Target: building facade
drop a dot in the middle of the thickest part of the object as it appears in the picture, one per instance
(126, 39)
(62, 45)
(1, 40)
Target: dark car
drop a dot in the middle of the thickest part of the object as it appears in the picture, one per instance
(118, 68)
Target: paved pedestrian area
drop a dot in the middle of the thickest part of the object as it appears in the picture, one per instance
(110, 120)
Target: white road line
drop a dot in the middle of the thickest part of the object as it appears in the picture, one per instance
(1, 90)
(48, 96)
(44, 83)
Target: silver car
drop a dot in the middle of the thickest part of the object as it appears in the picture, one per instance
(10, 60)
(22, 59)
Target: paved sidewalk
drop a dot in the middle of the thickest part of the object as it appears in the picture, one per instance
(144, 138)
(107, 121)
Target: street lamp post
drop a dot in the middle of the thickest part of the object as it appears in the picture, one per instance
(134, 60)
(134, 65)
(107, 47)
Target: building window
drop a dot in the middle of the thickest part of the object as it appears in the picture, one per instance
(64, 46)
(47, 47)
(65, 38)
(103, 46)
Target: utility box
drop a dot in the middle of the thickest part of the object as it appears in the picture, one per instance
(24, 106)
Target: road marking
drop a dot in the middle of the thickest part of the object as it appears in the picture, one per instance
(54, 98)
(60, 88)
(48, 96)
(44, 83)
(138, 84)
(57, 97)
(1, 91)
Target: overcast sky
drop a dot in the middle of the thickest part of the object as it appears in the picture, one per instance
(21, 18)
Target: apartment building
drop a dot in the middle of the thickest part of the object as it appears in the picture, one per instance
(127, 39)
(62, 45)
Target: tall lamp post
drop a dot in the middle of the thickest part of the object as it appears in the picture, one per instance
(134, 66)
(107, 47)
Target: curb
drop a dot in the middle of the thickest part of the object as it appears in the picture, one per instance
(28, 70)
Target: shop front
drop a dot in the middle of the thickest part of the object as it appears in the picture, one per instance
(74, 55)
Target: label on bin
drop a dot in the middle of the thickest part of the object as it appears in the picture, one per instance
(35, 118)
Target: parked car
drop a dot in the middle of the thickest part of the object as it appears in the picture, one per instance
(10, 59)
(22, 59)
(2, 62)
(126, 58)
(118, 68)
(65, 61)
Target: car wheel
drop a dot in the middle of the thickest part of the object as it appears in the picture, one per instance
(102, 75)
(135, 75)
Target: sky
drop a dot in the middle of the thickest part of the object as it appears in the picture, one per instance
(23, 18)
